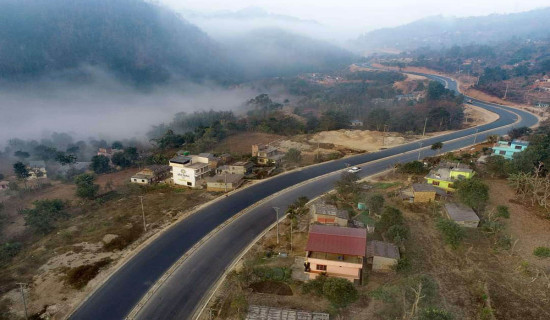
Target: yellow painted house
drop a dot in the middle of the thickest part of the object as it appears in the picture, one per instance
(445, 175)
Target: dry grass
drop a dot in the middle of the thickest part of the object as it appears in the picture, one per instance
(78, 242)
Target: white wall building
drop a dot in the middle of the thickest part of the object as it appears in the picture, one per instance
(189, 170)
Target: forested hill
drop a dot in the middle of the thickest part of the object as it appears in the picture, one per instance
(138, 41)
(270, 52)
(439, 31)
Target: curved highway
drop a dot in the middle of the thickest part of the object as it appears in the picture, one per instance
(181, 294)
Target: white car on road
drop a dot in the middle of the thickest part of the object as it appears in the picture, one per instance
(354, 169)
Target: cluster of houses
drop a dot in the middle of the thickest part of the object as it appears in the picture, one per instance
(206, 170)
(337, 249)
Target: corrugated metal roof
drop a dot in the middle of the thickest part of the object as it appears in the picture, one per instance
(423, 187)
(460, 212)
(382, 249)
(274, 313)
(339, 240)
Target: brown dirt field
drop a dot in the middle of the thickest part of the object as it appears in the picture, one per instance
(78, 241)
(408, 85)
(526, 225)
(15, 224)
(476, 116)
(242, 143)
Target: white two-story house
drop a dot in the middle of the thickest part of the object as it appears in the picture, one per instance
(189, 170)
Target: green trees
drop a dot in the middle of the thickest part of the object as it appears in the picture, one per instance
(413, 167)
(436, 90)
(293, 155)
(435, 314)
(21, 154)
(437, 146)
(64, 159)
(390, 216)
(334, 120)
(497, 166)
(340, 292)
(120, 159)
(100, 164)
(85, 187)
(117, 145)
(451, 231)
(392, 225)
(516, 133)
(42, 217)
(21, 171)
(472, 192)
(377, 118)
(347, 185)
(375, 203)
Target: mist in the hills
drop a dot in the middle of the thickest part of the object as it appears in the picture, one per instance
(103, 107)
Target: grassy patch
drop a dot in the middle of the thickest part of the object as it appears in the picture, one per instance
(386, 185)
(542, 252)
(366, 218)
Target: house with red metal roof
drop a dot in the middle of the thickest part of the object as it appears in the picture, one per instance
(336, 251)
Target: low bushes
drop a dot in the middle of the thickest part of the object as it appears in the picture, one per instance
(79, 277)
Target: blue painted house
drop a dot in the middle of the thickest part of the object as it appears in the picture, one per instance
(508, 149)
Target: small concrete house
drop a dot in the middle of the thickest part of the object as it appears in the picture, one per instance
(151, 174)
(383, 256)
(462, 215)
(266, 154)
(108, 152)
(240, 167)
(446, 174)
(336, 251)
(508, 149)
(224, 182)
(210, 158)
(356, 123)
(423, 192)
(328, 214)
(37, 170)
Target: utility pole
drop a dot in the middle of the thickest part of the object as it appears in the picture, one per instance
(475, 136)
(21, 285)
(291, 222)
(143, 214)
(225, 182)
(505, 92)
(277, 217)
(425, 123)
(386, 129)
(419, 150)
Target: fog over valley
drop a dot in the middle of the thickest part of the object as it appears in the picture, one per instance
(103, 107)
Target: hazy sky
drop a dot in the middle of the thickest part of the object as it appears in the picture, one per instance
(358, 16)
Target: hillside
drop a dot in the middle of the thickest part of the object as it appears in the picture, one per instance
(269, 52)
(141, 43)
(135, 40)
(439, 31)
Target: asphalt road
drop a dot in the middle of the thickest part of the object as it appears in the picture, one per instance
(180, 295)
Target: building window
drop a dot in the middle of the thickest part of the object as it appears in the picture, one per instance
(502, 152)
(518, 147)
(142, 180)
(189, 184)
(321, 267)
(435, 183)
